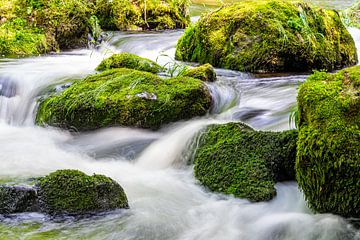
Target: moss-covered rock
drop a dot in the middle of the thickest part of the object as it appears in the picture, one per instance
(234, 159)
(73, 192)
(125, 97)
(204, 72)
(328, 157)
(269, 36)
(17, 199)
(130, 61)
(151, 14)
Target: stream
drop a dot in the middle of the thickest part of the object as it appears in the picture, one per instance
(165, 200)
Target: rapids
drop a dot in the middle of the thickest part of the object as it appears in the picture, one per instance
(166, 201)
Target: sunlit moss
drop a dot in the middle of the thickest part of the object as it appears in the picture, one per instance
(125, 97)
(204, 72)
(269, 36)
(130, 61)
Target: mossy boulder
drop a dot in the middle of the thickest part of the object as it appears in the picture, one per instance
(74, 192)
(204, 72)
(328, 157)
(125, 97)
(235, 159)
(17, 199)
(269, 36)
(131, 61)
(150, 14)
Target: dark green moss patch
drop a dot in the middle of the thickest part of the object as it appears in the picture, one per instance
(125, 97)
(204, 72)
(269, 36)
(234, 159)
(73, 192)
(328, 158)
(131, 61)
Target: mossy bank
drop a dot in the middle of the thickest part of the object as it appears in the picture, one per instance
(38, 26)
(125, 97)
(328, 157)
(269, 36)
(235, 159)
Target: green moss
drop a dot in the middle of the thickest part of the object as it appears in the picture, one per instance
(73, 192)
(125, 97)
(155, 14)
(269, 36)
(204, 72)
(130, 61)
(234, 159)
(16, 38)
(328, 158)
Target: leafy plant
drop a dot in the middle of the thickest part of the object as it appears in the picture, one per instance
(294, 117)
(173, 68)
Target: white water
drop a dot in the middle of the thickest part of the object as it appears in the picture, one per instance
(165, 200)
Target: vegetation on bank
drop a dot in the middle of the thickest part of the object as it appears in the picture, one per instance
(125, 97)
(328, 159)
(269, 36)
(235, 159)
(38, 26)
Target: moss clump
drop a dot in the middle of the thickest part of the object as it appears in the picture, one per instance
(204, 72)
(328, 158)
(125, 97)
(269, 36)
(151, 14)
(130, 61)
(73, 192)
(234, 159)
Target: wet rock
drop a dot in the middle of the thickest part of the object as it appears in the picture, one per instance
(17, 199)
(7, 87)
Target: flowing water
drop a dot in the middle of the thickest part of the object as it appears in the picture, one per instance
(166, 201)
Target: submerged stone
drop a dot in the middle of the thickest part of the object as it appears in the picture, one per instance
(73, 192)
(328, 157)
(131, 61)
(269, 36)
(204, 72)
(125, 97)
(235, 159)
(17, 199)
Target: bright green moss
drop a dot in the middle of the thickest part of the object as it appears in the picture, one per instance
(269, 36)
(73, 192)
(130, 61)
(18, 39)
(204, 72)
(151, 14)
(328, 158)
(234, 159)
(125, 97)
